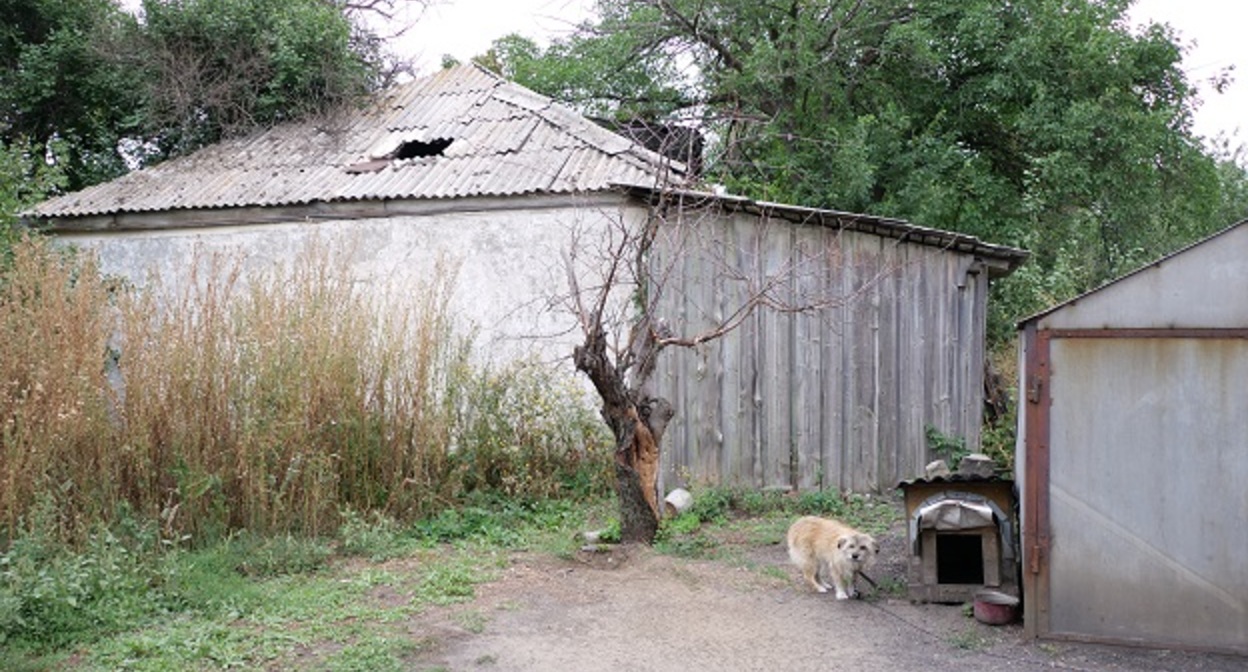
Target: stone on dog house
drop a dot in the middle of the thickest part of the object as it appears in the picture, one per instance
(465, 166)
(1132, 459)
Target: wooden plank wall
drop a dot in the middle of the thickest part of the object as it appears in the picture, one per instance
(834, 399)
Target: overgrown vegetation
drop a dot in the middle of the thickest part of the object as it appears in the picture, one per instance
(270, 406)
(99, 89)
(193, 450)
(124, 601)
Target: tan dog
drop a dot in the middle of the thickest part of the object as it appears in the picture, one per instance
(829, 549)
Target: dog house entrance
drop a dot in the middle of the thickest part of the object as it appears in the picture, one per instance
(961, 538)
(960, 559)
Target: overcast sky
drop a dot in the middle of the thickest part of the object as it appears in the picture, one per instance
(465, 28)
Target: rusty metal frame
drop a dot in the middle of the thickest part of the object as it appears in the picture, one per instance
(1035, 536)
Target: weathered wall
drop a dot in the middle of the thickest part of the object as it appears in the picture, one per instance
(1135, 486)
(838, 398)
(508, 263)
(1149, 491)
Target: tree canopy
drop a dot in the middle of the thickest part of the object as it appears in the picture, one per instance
(1046, 124)
(97, 90)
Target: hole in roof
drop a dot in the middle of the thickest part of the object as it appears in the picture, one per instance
(416, 149)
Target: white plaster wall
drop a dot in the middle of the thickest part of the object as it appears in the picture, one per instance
(511, 278)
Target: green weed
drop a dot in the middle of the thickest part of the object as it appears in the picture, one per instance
(949, 448)
(968, 639)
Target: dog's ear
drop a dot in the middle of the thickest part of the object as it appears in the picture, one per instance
(840, 543)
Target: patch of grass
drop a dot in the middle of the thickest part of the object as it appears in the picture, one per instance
(129, 602)
(968, 639)
(472, 620)
(277, 555)
(722, 519)
(374, 653)
(685, 523)
(891, 586)
(374, 535)
(688, 546)
(449, 583)
(778, 573)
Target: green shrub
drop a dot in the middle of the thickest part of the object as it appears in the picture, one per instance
(52, 595)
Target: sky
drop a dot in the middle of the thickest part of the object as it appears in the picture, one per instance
(466, 28)
(1213, 29)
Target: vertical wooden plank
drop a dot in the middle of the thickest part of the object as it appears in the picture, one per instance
(979, 352)
(776, 448)
(952, 424)
(911, 450)
(865, 366)
(833, 434)
(806, 405)
(666, 375)
(738, 460)
(733, 413)
(888, 414)
(699, 300)
(857, 345)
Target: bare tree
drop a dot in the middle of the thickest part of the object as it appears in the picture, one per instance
(619, 284)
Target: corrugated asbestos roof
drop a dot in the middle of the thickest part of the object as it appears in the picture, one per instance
(505, 140)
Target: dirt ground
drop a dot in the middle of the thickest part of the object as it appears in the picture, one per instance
(635, 609)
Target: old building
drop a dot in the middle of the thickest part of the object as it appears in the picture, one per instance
(463, 170)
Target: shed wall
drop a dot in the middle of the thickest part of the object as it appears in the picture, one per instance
(1148, 495)
(507, 263)
(830, 399)
(837, 398)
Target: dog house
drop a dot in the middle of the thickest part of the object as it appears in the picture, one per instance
(962, 537)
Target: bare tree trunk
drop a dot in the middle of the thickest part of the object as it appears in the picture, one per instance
(638, 426)
(637, 470)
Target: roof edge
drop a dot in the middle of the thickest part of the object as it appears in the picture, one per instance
(199, 218)
(1001, 260)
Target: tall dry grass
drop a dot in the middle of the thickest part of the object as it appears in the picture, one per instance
(54, 323)
(271, 404)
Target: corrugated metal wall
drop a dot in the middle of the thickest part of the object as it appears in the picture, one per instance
(832, 399)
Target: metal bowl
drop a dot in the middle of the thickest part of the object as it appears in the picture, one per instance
(995, 608)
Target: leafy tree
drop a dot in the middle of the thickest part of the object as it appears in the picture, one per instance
(215, 68)
(55, 85)
(25, 179)
(1046, 124)
(120, 90)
